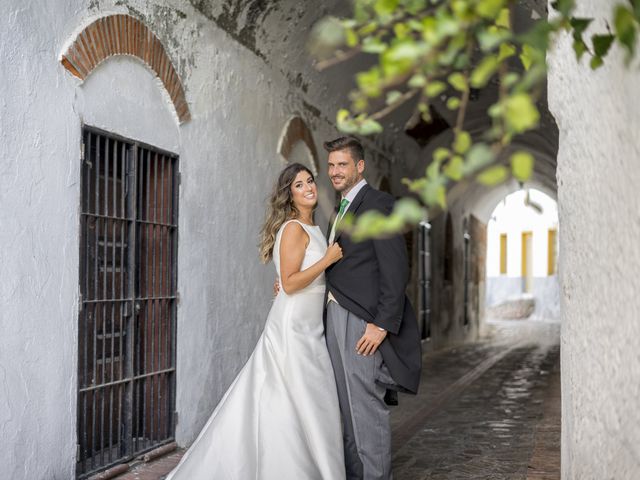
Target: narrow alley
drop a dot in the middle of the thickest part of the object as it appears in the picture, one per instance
(486, 410)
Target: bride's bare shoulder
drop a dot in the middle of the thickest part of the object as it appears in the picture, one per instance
(294, 232)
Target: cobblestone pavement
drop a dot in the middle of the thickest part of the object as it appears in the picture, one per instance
(488, 424)
(486, 410)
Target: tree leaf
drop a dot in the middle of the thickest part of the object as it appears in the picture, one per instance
(479, 156)
(493, 175)
(510, 79)
(491, 37)
(406, 49)
(447, 25)
(393, 96)
(369, 82)
(441, 154)
(458, 81)
(580, 48)
(531, 78)
(326, 37)
(415, 25)
(441, 196)
(454, 168)
(450, 55)
(521, 113)
(429, 193)
(462, 142)
(495, 110)
(352, 37)
(368, 29)
(504, 19)
(359, 103)
(602, 44)
(453, 103)
(393, 224)
(415, 6)
(489, 8)
(522, 165)
(373, 45)
(409, 210)
(385, 7)
(461, 62)
(417, 81)
(625, 28)
(596, 62)
(538, 36)
(342, 115)
(506, 50)
(434, 89)
(433, 170)
(528, 56)
(369, 127)
(579, 25)
(429, 31)
(401, 56)
(348, 126)
(563, 6)
(484, 71)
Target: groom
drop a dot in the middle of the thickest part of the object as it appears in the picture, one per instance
(371, 331)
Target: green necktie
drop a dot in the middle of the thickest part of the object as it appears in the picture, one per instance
(343, 207)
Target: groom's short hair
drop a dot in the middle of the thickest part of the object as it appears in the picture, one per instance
(351, 144)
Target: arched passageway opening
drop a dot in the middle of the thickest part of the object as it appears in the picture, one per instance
(521, 260)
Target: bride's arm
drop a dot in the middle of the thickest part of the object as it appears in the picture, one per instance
(292, 249)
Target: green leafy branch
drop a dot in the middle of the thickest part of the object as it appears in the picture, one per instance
(438, 52)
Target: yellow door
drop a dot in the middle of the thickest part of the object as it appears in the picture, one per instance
(527, 261)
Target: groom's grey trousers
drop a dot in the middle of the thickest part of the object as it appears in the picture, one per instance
(361, 384)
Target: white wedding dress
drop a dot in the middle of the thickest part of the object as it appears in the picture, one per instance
(280, 418)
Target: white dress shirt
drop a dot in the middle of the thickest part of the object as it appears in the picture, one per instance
(350, 196)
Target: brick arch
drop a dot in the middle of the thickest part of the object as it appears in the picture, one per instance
(124, 35)
(294, 131)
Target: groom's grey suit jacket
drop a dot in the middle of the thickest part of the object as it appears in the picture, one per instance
(370, 282)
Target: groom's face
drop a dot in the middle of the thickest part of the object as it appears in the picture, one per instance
(344, 171)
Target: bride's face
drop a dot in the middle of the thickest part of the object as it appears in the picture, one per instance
(303, 191)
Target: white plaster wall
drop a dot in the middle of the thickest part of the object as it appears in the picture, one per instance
(39, 200)
(598, 177)
(239, 104)
(238, 116)
(300, 154)
(123, 96)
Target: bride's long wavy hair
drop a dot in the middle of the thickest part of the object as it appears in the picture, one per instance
(280, 209)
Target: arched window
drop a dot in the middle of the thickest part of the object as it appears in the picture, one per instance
(296, 144)
(128, 241)
(124, 35)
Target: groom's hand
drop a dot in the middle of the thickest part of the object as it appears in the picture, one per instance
(371, 340)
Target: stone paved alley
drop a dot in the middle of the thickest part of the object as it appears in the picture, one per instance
(487, 410)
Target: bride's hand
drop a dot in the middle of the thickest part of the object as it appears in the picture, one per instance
(334, 253)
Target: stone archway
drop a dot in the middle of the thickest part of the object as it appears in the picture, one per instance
(296, 134)
(124, 35)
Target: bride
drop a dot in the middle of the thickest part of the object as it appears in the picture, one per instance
(280, 417)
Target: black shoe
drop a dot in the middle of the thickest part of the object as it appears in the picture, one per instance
(391, 397)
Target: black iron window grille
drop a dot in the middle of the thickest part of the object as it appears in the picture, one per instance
(424, 272)
(127, 314)
(467, 273)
